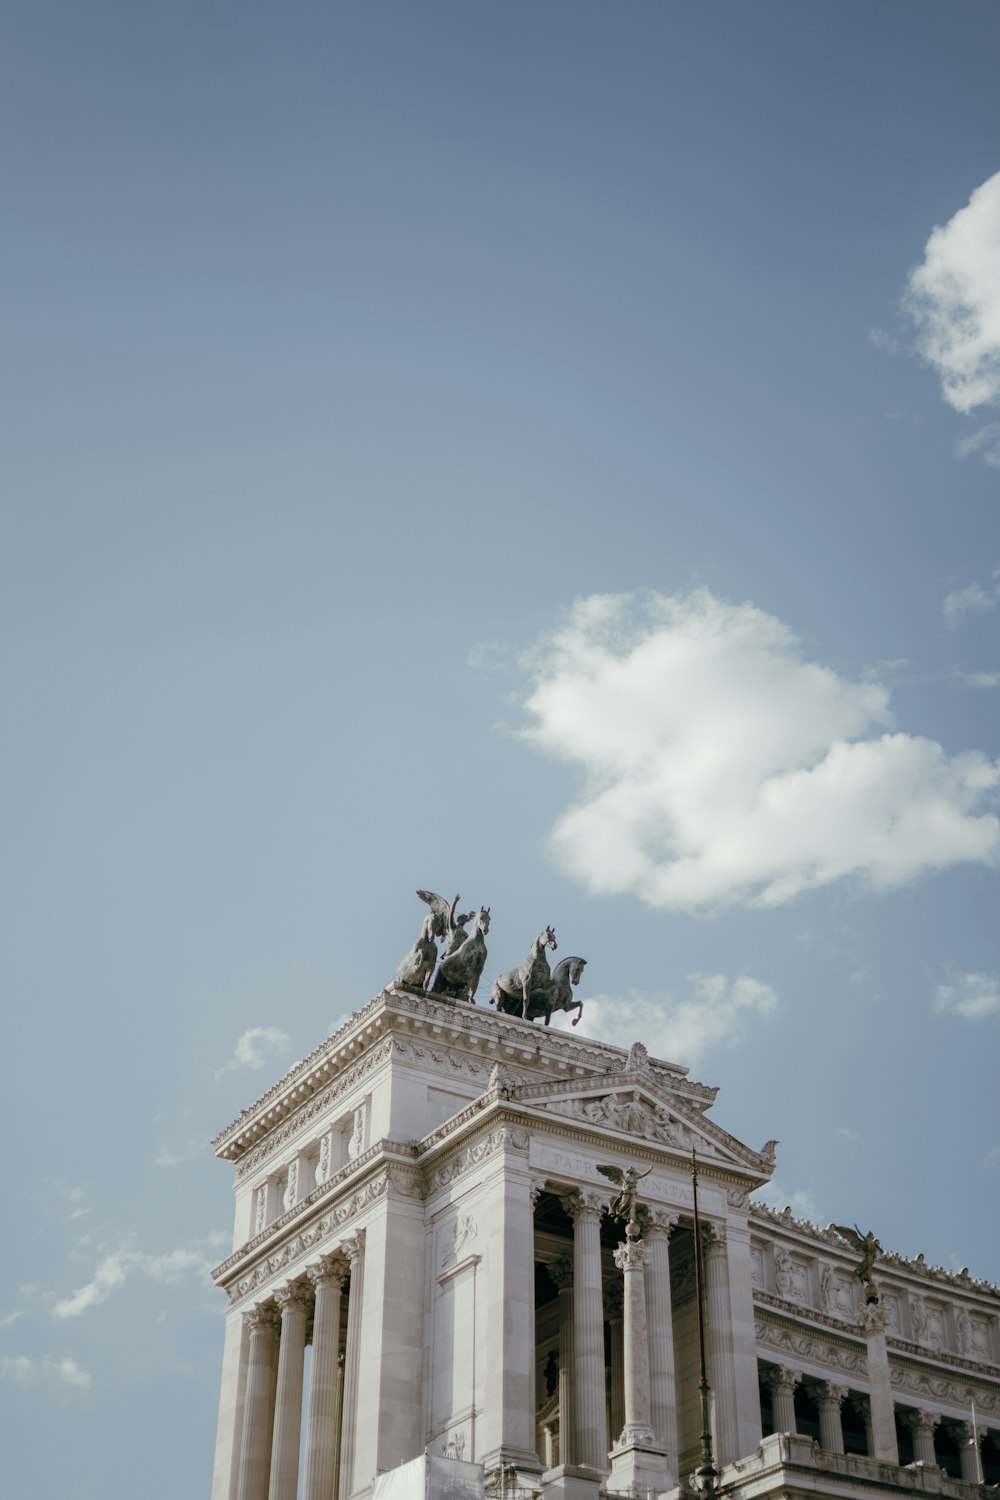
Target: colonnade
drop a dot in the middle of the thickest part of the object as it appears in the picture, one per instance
(830, 1398)
(277, 1331)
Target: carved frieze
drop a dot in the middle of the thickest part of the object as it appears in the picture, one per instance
(472, 1155)
(797, 1343)
(626, 1112)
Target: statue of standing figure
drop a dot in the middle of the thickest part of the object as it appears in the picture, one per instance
(626, 1205)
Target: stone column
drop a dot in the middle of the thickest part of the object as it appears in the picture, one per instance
(922, 1425)
(781, 1383)
(354, 1249)
(883, 1413)
(970, 1438)
(638, 1461)
(293, 1300)
(590, 1428)
(720, 1365)
(322, 1431)
(863, 1407)
(829, 1399)
(613, 1316)
(659, 1312)
(255, 1452)
(561, 1272)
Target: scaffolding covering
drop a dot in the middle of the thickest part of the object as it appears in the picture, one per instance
(431, 1478)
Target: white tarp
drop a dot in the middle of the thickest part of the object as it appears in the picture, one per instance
(430, 1478)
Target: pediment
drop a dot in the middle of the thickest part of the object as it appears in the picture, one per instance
(633, 1106)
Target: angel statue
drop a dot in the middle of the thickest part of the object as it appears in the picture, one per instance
(626, 1205)
(867, 1247)
(441, 922)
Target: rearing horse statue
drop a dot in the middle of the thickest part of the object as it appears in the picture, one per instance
(512, 991)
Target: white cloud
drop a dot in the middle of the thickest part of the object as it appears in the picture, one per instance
(724, 767)
(953, 297)
(972, 599)
(254, 1048)
(974, 997)
(719, 1012)
(979, 679)
(6, 1319)
(487, 656)
(62, 1368)
(993, 1157)
(848, 1133)
(167, 1158)
(115, 1268)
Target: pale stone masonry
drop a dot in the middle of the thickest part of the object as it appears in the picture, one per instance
(423, 1263)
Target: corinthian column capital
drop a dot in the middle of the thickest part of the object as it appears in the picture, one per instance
(584, 1204)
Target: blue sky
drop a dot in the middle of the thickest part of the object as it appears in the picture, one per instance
(542, 451)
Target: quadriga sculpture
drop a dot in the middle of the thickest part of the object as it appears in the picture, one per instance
(461, 968)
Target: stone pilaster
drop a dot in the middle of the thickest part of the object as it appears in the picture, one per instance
(781, 1382)
(719, 1331)
(590, 1431)
(293, 1302)
(262, 1324)
(508, 1420)
(922, 1425)
(883, 1414)
(354, 1249)
(561, 1272)
(829, 1400)
(659, 1315)
(322, 1428)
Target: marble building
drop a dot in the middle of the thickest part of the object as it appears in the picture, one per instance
(423, 1262)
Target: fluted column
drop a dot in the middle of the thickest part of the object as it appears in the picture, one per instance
(613, 1316)
(883, 1413)
(659, 1313)
(781, 1383)
(354, 1249)
(630, 1258)
(719, 1343)
(590, 1427)
(258, 1422)
(829, 1399)
(293, 1301)
(561, 1272)
(322, 1430)
(969, 1439)
(863, 1407)
(922, 1425)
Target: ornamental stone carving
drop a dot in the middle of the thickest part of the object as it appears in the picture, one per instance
(264, 1318)
(582, 1203)
(334, 1268)
(294, 1294)
(628, 1113)
(561, 1272)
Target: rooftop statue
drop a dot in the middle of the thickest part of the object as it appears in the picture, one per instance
(418, 965)
(867, 1247)
(626, 1205)
(461, 968)
(513, 990)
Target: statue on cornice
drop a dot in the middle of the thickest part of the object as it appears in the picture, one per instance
(626, 1205)
(867, 1247)
(461, 968)
(417, 967)
(533, 989)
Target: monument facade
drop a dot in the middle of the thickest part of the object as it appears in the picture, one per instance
(424, 1262)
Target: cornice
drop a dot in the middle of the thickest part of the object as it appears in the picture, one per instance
(383, 1153)
(782, 1310)
(955, 1280)
(471, 1028)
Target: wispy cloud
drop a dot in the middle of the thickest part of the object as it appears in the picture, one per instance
(63, 1369)
(717, 1013)
(980, 680)
(487, 656)
(116, 1266)
(974, 598)
(801, 1201)
(722, 766)
(192, 1147)
(254, 1048)
(993, 1157)
(73, 1198)
(953, 297)
(880, 338)
(973, 997)
(847, 1133)
(985, 441)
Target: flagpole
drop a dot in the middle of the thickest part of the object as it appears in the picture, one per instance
(706, 1474)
